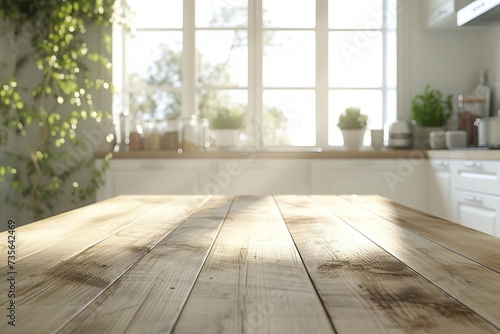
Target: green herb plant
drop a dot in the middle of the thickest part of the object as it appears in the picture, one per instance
(227, 118)
(429, 109)
(352, 118)
(46, 91)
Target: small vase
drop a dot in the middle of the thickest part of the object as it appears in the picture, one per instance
(353, 138)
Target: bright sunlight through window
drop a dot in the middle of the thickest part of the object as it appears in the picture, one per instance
(292, 66)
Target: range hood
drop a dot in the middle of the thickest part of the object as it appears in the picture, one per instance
(479, 12)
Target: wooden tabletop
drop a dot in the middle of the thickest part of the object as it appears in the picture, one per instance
(271, 264)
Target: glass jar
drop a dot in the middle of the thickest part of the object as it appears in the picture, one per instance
(171, 134)
(135, 136)
(204, 141)
(190, 133)
(152, 138)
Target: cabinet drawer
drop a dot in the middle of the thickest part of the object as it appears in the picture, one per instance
(478, 211)
(481, 176)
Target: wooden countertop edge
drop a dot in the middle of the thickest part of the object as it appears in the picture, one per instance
(334, 154)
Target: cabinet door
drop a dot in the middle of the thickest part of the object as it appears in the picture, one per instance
(478, 211)
(439, 189)
(363, 177)
(157, 177)
(259, 177)
(442, 14)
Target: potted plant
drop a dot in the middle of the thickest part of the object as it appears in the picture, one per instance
(226, 124)
(353, 126)
(430, 112)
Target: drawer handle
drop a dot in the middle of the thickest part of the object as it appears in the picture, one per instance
(442, 163)
(471, 198)
(471, 164)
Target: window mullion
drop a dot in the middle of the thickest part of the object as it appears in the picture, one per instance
(322, 73)
(188, 64)
(254, 112)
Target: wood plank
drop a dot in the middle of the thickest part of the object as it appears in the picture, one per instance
(476, 246)
(107, 217)
(67, 288)
(149, 297)
(472, 284)
(364, 288)
(87, 231)
(253, 280)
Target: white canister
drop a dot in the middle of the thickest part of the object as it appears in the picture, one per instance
(494, 131)
(437, 140)
(455, 139)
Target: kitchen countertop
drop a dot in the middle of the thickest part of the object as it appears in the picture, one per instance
(308, 154)
(270, 264)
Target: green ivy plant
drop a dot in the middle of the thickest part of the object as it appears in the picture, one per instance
(429, 109)
(46, 92)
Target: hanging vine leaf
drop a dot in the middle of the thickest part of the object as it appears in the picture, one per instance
(41, 111)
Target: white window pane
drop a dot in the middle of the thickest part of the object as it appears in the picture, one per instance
(222, 57)
(355, 59)
(289, 59)
(156, 14)
(154, 103)
(221, 13)
(391, 49)
(370, 102)
(355, 14)
(208, 100)
(289, 118)
(289, 13)
(155, 57)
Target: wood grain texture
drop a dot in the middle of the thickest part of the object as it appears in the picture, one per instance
(364, 288)
(479, 247)
(85, 228)
(253, 280)
(66, 289)
(472, 284)
(149, 297)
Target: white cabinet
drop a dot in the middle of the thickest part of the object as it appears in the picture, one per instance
(476, 194)
(206, 176)
(442, 14)
(155, 177)
(260, 176)
(439, 189)
(398, 180)
(478, 211)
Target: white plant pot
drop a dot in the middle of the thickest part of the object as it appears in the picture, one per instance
(226, 137)
(353, 138)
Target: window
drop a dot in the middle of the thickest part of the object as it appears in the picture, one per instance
(292, 65)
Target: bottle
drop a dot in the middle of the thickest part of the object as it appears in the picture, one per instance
(483, 92)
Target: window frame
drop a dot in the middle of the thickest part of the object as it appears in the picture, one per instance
(255, 87)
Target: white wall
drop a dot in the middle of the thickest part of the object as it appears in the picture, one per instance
(448, 60)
